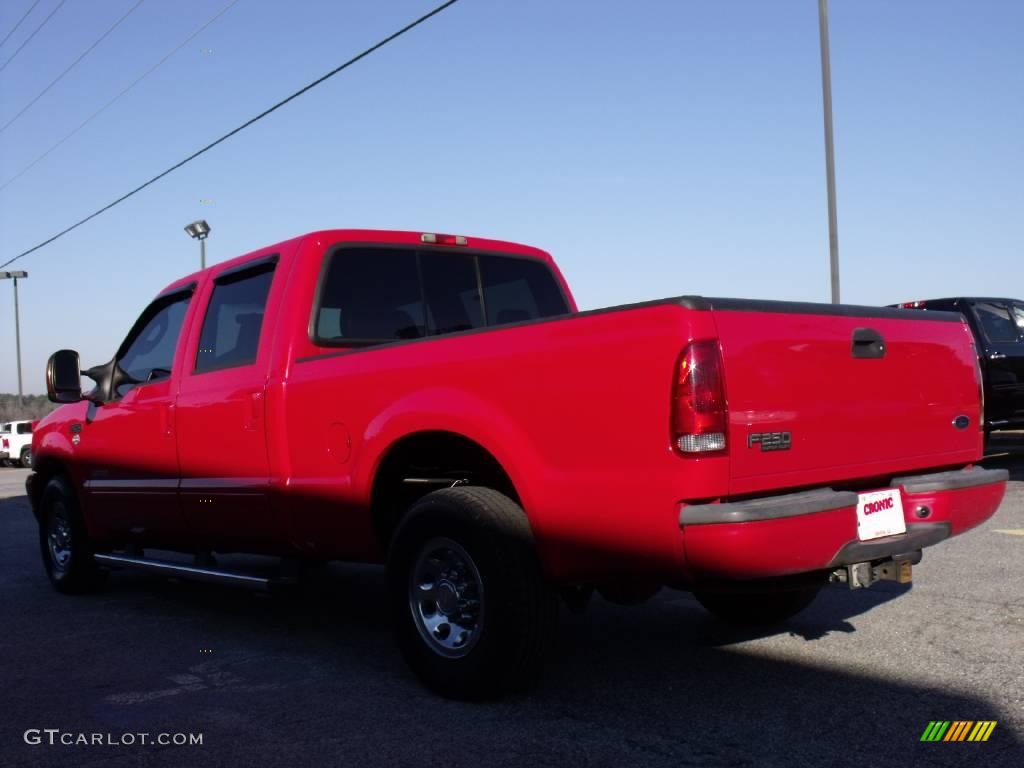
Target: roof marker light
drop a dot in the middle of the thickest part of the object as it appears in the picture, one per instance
(438, 239)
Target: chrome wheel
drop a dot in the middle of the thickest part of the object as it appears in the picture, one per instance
(446, 597)
(59, 537)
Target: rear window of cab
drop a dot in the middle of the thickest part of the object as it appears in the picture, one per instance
(373, 295)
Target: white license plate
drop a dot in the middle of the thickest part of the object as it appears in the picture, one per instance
(879, 514)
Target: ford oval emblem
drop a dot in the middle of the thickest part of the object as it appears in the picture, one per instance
(961, 422)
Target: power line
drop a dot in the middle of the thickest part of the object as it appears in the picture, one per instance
(110, 103)
(243, 126)
(25, 16)
(29, 38)
(71, 66)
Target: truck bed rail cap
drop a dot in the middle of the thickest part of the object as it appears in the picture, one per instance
(811, 308)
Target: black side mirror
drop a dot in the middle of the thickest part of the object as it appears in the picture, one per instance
(63, 378)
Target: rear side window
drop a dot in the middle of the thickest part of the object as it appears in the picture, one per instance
(234, 319)
(519, 289)
(996, 322)
(372, 295)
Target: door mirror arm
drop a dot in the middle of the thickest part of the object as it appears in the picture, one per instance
(108, 377)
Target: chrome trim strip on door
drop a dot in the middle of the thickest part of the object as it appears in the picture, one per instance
(224, 483)
(133, 485)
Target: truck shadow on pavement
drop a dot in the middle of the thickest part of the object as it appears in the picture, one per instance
(311, 674)
(658, 685)
(830, 612)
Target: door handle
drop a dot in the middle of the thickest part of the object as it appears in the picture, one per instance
(255, 410)
(997, 356)
(868, 344)
(167, 419)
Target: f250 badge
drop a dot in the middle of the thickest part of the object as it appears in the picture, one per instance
(770, 441)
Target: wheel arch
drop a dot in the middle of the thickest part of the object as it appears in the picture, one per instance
(44, 469)
(425, 461)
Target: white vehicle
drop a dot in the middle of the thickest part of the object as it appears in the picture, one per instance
(16, 442)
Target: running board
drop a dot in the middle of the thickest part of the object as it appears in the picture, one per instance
(193, 572)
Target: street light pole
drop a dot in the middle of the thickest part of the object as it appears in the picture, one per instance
(199, 230)
(830, 163)
(17, 342)
(17, 327)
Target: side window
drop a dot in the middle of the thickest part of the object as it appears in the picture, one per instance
(370, 294)
(519, 289)
(1018, 316)
(25, 429)
(451, 291)
(996, 321)
(234, 319)
(148, 352)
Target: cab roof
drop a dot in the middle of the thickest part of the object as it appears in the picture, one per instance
(374, 236)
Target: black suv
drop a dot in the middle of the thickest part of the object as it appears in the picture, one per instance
(998, 328)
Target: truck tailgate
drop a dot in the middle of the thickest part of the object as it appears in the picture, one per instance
(820, 395)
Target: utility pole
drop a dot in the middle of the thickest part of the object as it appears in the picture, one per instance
(17, 327)
(830, 163)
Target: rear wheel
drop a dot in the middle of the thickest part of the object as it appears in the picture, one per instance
(757, 608)
(63, 541)
(473, 614)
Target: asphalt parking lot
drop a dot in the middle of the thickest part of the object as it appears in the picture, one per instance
(313, 678)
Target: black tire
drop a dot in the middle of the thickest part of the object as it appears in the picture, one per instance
(64, 543)
(26, 457)
(757, 608)
(516, 615)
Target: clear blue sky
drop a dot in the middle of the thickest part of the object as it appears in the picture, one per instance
(654, 147)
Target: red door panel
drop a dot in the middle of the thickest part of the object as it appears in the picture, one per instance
(127, 448)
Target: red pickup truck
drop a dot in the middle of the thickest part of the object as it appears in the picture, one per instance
(438, 403)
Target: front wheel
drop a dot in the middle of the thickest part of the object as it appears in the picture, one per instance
(26, 457)
(757, 608)
(63, 541)
(473, 614)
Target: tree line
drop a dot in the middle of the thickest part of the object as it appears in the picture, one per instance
(35, 407)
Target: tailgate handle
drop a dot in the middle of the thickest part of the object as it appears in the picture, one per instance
(868, 344)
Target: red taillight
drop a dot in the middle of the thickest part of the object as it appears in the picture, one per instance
(699, 411)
